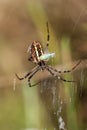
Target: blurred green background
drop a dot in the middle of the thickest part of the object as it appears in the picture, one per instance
(52, 105)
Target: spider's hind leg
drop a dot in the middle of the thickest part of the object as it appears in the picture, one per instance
(48, 35)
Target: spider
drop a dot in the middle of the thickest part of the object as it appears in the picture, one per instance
(40, 58)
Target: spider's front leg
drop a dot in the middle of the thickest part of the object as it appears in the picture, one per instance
(28, 74)
(32, 85)
(29, 83)
(65, 71)
(58, 76)
(31, 75)
(21, 78)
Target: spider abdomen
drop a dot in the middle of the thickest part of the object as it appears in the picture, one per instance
(35, 52)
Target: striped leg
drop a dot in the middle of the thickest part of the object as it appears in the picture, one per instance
(31, 75)
(48, 35)
(32, 71)
(58, 76)
(65, 71)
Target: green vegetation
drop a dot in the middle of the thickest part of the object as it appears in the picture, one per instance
(40, 107)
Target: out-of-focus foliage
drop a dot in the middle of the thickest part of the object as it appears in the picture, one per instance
(42, 107)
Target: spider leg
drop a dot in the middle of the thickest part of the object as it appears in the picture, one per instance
(32, 85)
(21, 78)
(65, 71)
(58, 76)
(50, 70)
(48, 35)
(47, 68)
(35, 72)
(31, 75)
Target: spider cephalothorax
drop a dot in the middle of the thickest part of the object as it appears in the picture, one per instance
(40, 58)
